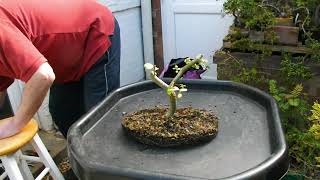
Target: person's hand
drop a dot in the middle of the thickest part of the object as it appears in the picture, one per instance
(8, 127)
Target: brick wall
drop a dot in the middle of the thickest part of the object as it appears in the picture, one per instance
(157, 33)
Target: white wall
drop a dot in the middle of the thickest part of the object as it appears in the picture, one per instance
(128, 14)
(194, 27)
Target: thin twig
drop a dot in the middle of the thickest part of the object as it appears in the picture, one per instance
(305, 19)
(184, 69)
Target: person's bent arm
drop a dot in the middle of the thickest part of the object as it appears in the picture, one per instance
(33, 95)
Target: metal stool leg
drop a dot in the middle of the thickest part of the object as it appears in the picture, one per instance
(46, 158)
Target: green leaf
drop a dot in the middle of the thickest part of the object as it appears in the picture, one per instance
(284, 106)
(182, 86)
(277, 98)
(294, 102)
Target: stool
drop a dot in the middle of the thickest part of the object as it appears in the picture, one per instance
(14, 162)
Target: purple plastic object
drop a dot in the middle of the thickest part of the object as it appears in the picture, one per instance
(168, 71)
(164, 70)
(193, 74)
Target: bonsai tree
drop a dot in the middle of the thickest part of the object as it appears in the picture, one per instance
(173, 91)
(167, 127)
(250, 14)
(287, 13)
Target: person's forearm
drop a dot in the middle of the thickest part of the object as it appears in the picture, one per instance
(33, 95)
(2, 98)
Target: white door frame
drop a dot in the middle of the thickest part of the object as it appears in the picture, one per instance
(168, 37)
(171, 7)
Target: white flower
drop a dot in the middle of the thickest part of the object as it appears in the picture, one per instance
(148, 66)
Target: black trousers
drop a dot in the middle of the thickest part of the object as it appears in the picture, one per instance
(68, 102)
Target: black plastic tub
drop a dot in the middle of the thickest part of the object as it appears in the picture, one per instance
(250, 143)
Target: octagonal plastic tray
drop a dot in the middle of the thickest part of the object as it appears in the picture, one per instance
(250, 143)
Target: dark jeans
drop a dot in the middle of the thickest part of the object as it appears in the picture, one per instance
(68, 102)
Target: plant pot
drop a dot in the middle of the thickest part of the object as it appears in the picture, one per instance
(187, 127)
(287, 35)
(284, 21)
(257, 36)
(250, 143)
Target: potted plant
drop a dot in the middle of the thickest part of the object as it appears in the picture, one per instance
(282, 10)
(167, 127)
(249, 14)
(265, 19)
(260, 22)
(289, 20)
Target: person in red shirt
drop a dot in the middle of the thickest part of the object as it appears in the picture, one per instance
(70, 47)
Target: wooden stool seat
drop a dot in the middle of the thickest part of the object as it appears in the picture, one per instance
(15, 162)
(14, 143)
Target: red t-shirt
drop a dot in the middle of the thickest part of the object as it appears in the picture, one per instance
(71, 34)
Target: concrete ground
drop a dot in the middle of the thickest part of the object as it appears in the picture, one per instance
(57, 147)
